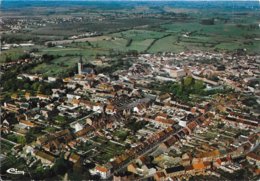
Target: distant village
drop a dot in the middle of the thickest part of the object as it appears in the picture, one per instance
(127, 126)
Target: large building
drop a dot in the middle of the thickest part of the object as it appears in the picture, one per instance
(82, 70)
(176, 73)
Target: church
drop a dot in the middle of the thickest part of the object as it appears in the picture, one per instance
(82, 70)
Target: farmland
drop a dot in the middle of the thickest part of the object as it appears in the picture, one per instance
(146, 28)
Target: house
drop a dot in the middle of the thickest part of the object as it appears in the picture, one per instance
(74, 158)
(45, 157)
(189, 170)
(159, 176)
(10, 107)
(168, 143)
(42, 97)
(163, 122)
(4, 130)
(124, 176)
(164, 98)
(52, 79)
(27, 123)
(5, 123)
(199, 166)
(14, 96)
(84, 131)
(132, 168)
(45, 113)
(148, 169)
(87, 104)
(71, 97)
(110, 109)
(97, 107)
(52, 146)
(207, 156)
(66, 155)
(27, 95)
(140, 108)
(75, 102)
(186, 160)
(142, 160)
(102, 171)
(253, 158)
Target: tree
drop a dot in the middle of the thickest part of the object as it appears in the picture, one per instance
(187, 82)
(198, 87)
(60, 166)
(35, 86)
(27, 86)
(30, 136)
(40, 173)
(47, 57)
(50, 44)
(21, 140)
(12, 137)
(8, 59)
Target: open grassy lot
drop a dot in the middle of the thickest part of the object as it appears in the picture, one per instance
(108, 151)
(166, 44)
(68, 51)
(105, 26)
(104, 149)
(12, 54)
(140, 46)
(117, 44)
(195, 36)
(56, 67)
(139, 34)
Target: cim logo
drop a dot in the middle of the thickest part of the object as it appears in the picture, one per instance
(14, 171)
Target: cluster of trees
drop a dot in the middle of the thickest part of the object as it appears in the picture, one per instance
(10, 83)
(9, 58)
(16, 138)
(186, 87)
(117, 64)
(183, 89)
(30, 136)
(209, 21)
(14, 38)
(15, 84)
(60, 167)
(50, 44)
(122, 135)
(61, 119)
(250, 101)
(129, 42)
(134, 125)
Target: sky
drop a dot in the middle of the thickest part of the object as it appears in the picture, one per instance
(129, 0)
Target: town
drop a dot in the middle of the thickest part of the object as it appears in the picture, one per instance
(136, 123)
(130, 90)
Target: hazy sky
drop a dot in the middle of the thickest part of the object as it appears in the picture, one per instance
(129, 0)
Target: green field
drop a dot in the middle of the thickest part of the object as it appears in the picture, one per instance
(176, 38)
(139, 35)
(12, 54)
(145, 29)
(57, 66)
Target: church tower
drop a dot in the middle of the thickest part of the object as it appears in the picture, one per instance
(80, 66)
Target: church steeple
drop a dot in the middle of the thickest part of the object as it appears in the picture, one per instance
(80, 65)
